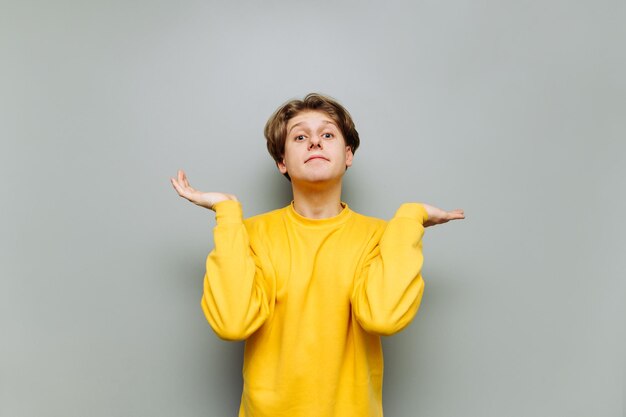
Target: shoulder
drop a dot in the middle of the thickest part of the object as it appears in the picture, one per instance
(361, 218)
(261, 222)
(368, 223)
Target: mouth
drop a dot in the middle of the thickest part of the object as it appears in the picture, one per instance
(311, 158)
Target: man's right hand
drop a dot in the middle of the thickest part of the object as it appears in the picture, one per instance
(202, 199)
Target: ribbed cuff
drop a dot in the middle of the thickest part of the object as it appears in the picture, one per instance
(228, 212)
(413, 211)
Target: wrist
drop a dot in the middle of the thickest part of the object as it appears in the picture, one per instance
(414, 211)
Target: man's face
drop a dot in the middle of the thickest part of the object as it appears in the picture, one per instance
(315, 149)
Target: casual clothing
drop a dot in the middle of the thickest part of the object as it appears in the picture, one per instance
(312, 297)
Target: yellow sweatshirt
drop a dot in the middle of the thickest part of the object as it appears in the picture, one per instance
(312, 297)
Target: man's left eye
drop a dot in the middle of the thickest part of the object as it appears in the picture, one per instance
(327, 135)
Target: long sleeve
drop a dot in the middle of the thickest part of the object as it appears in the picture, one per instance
(388, 291)
(235, 296)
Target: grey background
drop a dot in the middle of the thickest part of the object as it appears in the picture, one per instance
(512, 110)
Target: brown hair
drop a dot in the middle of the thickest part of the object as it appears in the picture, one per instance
(276, 127)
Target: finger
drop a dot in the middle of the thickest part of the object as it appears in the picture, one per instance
(175, 185)
(456, 216)
(181, 192)
(185, 180)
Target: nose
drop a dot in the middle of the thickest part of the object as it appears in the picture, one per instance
(314, 142)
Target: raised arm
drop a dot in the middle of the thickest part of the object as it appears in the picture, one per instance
(389, 289)
(235, 294)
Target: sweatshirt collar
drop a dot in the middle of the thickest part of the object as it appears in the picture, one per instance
(340, 218)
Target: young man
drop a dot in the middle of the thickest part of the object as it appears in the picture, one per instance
(311, 287)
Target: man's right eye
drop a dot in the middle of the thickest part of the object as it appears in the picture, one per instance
(300, 137)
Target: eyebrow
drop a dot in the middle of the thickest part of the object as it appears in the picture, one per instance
(326, 121)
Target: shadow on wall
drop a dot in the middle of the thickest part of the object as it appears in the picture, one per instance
(224, 366)
(268, 190)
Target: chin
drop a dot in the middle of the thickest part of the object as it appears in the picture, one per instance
(317, 179)
(317, 176)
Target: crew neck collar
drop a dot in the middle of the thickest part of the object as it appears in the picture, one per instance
(329, 221)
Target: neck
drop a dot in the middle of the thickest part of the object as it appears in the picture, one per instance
(317, 202)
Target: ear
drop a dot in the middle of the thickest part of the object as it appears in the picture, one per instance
(281, 166)
(349, 156)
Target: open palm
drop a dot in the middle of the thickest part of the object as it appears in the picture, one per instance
(439, 216)
(200, 198)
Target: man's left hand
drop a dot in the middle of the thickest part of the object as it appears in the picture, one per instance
(439, 216)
